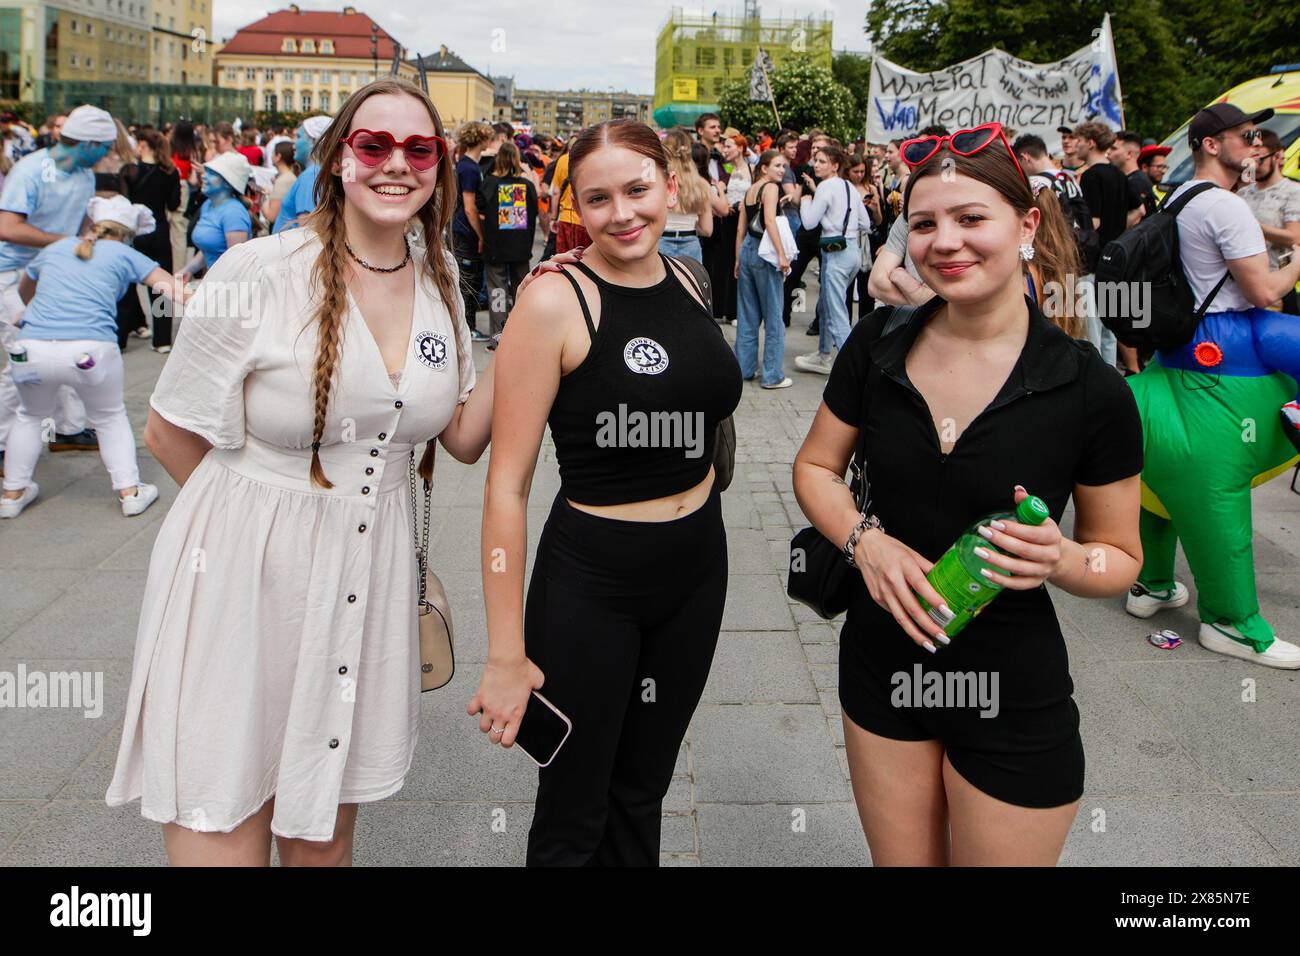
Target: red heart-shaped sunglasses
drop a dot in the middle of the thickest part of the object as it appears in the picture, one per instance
(373, 147)
(964, 142)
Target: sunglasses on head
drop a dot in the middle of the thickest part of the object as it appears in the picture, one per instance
(964, 142)
(374, 147)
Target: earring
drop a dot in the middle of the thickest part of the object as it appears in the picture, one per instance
(1026, 251)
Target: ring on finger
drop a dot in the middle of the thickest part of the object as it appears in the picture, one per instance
(496, 730)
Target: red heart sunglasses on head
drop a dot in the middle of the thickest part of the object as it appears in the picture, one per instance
(964, 142)
(374, 147)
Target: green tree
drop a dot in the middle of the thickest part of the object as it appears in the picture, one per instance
(853, 72)
(806, 95)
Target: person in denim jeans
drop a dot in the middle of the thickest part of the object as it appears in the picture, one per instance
(692, 216)
(835, 207)
(760, 285)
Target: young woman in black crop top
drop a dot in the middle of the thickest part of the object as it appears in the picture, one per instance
(759, 282)
(975, 400)
(622, 358)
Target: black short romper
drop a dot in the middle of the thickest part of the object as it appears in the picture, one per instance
(1062, 418)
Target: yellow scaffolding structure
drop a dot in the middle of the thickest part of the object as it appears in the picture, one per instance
(696, 56)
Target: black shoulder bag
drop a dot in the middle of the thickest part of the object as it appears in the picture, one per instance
(724, 438)
(818, 574)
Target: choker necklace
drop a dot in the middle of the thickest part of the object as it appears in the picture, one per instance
(366, 265)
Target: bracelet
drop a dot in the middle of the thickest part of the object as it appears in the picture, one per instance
(851, 546)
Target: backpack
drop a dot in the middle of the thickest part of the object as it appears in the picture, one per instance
(1148, 254)
(1079, 216)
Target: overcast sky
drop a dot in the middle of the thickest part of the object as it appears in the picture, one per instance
(558, 44)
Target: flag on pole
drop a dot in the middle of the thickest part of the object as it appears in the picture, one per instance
(424, 76)
(397, 60)
(1111, 97)
(759, 87)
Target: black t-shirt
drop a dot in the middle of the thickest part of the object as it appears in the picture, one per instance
(1107, 193)
(509, 208)
(469, 175)
(1062, 418)
(1143, 191)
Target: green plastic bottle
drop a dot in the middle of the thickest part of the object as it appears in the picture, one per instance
(956, 575)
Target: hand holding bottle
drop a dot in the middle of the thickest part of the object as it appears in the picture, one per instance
(894, 575)
(1033, 552)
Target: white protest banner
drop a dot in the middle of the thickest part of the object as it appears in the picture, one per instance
(998, 87)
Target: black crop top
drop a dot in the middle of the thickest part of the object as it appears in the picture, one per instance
(636, 419)
(754, 212)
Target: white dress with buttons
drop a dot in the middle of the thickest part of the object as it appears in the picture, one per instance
(278, 646)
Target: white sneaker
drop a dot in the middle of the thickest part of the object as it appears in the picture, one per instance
(12, 507)
(162, 349)
(135, 504)
(813, 362)
(1143, 603)
(1225, 639)
(784, 383)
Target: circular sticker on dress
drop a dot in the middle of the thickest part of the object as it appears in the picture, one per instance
(645, 356)
(431, 349)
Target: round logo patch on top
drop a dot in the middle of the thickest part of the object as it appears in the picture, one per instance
(431, 349)
(645, 356)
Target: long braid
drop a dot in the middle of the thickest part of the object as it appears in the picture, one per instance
(328, 276)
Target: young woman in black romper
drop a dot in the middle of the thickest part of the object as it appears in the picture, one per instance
(972, 402)
(627, 593)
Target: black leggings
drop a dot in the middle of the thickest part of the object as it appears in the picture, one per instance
(622, 618)
(470, 260)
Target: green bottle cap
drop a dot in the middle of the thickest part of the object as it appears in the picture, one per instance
(1032, 510)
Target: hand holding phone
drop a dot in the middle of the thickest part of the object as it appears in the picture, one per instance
(503, 697)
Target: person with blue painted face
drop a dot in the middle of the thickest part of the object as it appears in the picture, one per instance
(224, 220)
(44, 200)
(301, 198)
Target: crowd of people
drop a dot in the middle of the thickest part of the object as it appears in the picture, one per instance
(273, 694)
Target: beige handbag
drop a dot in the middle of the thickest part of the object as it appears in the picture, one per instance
(437, 656)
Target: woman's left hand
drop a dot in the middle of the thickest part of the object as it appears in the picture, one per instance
(554, 264)
(1033, 552)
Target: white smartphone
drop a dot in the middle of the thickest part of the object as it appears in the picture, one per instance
(543, 730)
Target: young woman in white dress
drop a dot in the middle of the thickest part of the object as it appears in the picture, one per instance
(276, 675)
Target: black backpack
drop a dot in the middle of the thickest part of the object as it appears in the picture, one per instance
(1079, 216)
(1148, 254)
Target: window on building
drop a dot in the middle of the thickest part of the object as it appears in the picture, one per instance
(306, 101)
(288, 46)
(90, 62)
(268, 74)
(343, 98)
(250, 73)
(327, 46)
(72, 60)
(308, 46)
(90, 29)
(323, 99)
(155, 74)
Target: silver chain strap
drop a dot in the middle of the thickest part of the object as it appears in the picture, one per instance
(420, 530)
